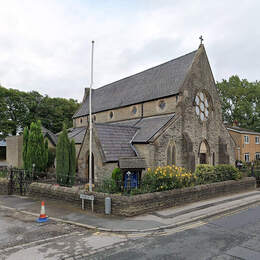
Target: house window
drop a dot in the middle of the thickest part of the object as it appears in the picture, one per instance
(247, 157)
(162, 105)
(257, 140)
(81, 120)
(246, 139)
(111, 114)
(257, 156)
(134, 110)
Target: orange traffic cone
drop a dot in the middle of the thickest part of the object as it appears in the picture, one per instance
(43, 217)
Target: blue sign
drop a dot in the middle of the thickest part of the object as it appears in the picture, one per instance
(133, 176)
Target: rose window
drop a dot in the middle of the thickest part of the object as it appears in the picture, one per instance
(202, 106)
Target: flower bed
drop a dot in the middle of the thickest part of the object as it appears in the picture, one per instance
(172, 177)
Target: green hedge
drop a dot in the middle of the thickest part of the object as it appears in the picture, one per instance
(209, 174)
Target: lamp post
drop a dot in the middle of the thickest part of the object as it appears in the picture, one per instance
(90, 121)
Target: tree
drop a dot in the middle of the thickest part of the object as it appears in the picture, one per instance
(240, 102)
(62, 157)
(65, 159)
(72, 162)
(46, 153)
(36, 150)
(19, 109)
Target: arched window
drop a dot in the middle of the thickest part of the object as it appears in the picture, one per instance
(171, 154)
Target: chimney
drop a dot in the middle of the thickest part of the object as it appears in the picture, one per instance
(86, 93)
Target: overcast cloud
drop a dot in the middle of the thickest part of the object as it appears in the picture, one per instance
(45, 44)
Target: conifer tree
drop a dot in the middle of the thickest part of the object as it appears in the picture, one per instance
(63, 157)
(72, 162)
(25, 147)
(46, 153)
(35, 148)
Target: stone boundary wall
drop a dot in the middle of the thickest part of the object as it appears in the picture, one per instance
(3, 186)
(139, 204)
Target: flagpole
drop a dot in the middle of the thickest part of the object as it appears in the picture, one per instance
(90, 121)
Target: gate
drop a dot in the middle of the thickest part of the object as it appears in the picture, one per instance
(19, 181)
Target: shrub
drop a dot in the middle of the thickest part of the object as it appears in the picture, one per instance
(3, 174)
(205, 174)
(226, 172)
(166, 178)
(109, 185)
(117, 174)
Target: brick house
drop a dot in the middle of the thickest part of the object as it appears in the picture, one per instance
(168, 114)
(247, 143)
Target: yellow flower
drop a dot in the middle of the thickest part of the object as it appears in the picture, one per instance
(149, 169)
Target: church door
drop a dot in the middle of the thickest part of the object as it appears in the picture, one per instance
(203, 158)
(203, 153)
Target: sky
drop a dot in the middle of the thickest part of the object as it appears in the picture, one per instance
(45, 45)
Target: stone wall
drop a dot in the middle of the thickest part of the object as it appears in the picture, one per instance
(188, 133)
(3, 186)
(145, 109)
(14, 147)
(101, 170)
(144, 203)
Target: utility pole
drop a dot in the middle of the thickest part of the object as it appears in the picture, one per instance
(90, 121)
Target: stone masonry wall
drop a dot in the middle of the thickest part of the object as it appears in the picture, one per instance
(3, 186)
(221, 147)
(150, 108)
(101, 170)
(144, 203)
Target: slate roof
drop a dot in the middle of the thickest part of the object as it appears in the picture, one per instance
(157, 82)
(242, 130)
(115, 140)
(132, 163)
(52, 136)
(77, 134)
(147, 127)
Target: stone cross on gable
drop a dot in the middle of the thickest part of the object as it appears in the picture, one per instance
(201, 39)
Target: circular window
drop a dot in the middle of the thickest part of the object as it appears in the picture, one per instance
(111, 114)
(202, 106)
(134, 110)
(162, 105)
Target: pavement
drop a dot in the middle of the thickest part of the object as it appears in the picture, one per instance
(65, 212)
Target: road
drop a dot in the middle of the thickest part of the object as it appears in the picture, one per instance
(233, 236)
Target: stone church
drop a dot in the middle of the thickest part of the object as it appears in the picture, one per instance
(168, 114)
